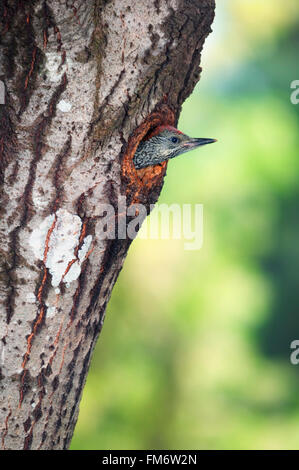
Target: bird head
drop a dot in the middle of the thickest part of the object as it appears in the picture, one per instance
(163, 143)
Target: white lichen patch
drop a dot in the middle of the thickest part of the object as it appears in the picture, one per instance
(62, 244)
(75, 269)
(38, 237)
(64, 106)
(85, 248)
(56, 243)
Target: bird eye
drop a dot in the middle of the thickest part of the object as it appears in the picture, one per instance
(174, 140)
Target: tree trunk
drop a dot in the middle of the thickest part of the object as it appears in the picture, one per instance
(84, 83)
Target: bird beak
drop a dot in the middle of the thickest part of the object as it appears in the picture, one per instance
(192, 143)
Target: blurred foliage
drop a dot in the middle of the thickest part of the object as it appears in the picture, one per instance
(195, 348)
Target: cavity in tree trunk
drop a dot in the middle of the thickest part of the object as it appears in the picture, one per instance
(84, 83)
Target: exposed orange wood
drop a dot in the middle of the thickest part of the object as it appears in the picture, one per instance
(31, 68)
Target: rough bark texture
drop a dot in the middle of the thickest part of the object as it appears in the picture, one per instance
(85, 81)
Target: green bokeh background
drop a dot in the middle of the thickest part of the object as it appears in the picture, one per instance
(195, 349)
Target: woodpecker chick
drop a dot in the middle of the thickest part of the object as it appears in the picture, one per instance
(163, 143)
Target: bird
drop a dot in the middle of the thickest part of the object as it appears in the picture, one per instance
(163, 143)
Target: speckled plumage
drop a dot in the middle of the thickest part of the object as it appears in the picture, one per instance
(164, 143)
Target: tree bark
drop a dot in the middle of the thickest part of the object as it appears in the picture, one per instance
(84, 83)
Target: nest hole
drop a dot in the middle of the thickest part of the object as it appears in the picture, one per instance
(143, 179)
